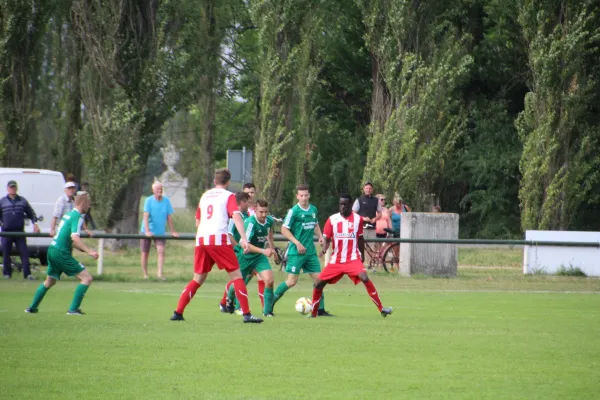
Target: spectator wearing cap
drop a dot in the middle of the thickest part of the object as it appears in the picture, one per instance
(13, 211)
(369, 208)
(65, 204)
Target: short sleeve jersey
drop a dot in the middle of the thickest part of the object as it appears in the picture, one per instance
(257, 234)
(301, 223)
(69, 225)
(214, 210)
(158, 211)
(344, 233)
(232, 230)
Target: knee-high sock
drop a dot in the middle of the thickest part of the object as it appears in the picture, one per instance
(38, 296)
(231, 296)
(78, 296)
(322, 302)
(224, 299)
(280, 291)
(316, 300)
(242, 295)
(186, 295)
(261, 292)
(373, 293)
(268, 305)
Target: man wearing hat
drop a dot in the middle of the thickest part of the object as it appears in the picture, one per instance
(13, 211)
(63, 205)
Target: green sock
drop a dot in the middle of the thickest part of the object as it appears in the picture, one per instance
(322, 302)
(231, 293)
(280, 291)
(78, 296)
(38, 296)
(268, 300)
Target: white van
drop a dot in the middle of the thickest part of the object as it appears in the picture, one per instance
(41, 188)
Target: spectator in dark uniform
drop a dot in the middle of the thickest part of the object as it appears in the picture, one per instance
(370, 209)
(13, 211)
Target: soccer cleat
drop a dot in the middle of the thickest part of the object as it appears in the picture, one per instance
(6, 276)
(31, 310)
(229, 306)
(31, 278)
(269, 315)
(223, 308)
(75, 312)
(239, 312)
(251, 319)
(310, 316)
(177, 317)
(387, 311)
(323, 313)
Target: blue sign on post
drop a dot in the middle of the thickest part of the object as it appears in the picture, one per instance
(239, 163)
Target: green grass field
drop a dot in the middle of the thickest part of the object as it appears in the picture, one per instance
(488, 334)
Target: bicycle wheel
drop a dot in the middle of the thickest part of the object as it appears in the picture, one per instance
(391, 257)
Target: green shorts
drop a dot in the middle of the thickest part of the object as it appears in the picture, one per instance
(248, 264)
(310, 264)
(60, 262)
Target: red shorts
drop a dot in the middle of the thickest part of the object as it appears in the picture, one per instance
(206, 256)
(334, 272)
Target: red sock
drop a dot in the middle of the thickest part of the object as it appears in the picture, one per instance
(261, 292)
(317, 293)
(224, 299)
(373, 293)
(242, 294)
(186, 296)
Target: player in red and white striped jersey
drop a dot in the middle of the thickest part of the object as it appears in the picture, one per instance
(213, 245)
(344, 231)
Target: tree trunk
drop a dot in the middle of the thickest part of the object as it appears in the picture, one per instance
(124, 216)
(381, 97)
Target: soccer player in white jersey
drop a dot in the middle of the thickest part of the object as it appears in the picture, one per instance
(213, 245)
(344, 231)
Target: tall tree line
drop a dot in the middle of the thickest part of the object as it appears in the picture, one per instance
(487, 108)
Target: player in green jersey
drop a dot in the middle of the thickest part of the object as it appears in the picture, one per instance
(299, 226)
(242, 199)
(60, 259)
(259, 234)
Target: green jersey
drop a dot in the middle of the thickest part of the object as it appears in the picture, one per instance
(257, 234)
(233, 230)
(70, 224)
(301, 223)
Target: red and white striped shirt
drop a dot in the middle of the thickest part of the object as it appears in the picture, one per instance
(215, 208)
(344, 234)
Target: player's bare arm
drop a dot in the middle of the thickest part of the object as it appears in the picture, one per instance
(326, 244)
(79, 245)
(257, 250)
(319, 234)
(239, 224)
(289, 236)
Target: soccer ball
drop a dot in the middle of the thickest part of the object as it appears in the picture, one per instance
(304, 305)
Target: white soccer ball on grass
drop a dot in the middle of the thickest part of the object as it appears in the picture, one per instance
(304, 305)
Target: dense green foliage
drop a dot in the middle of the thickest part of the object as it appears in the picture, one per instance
(487, 108)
